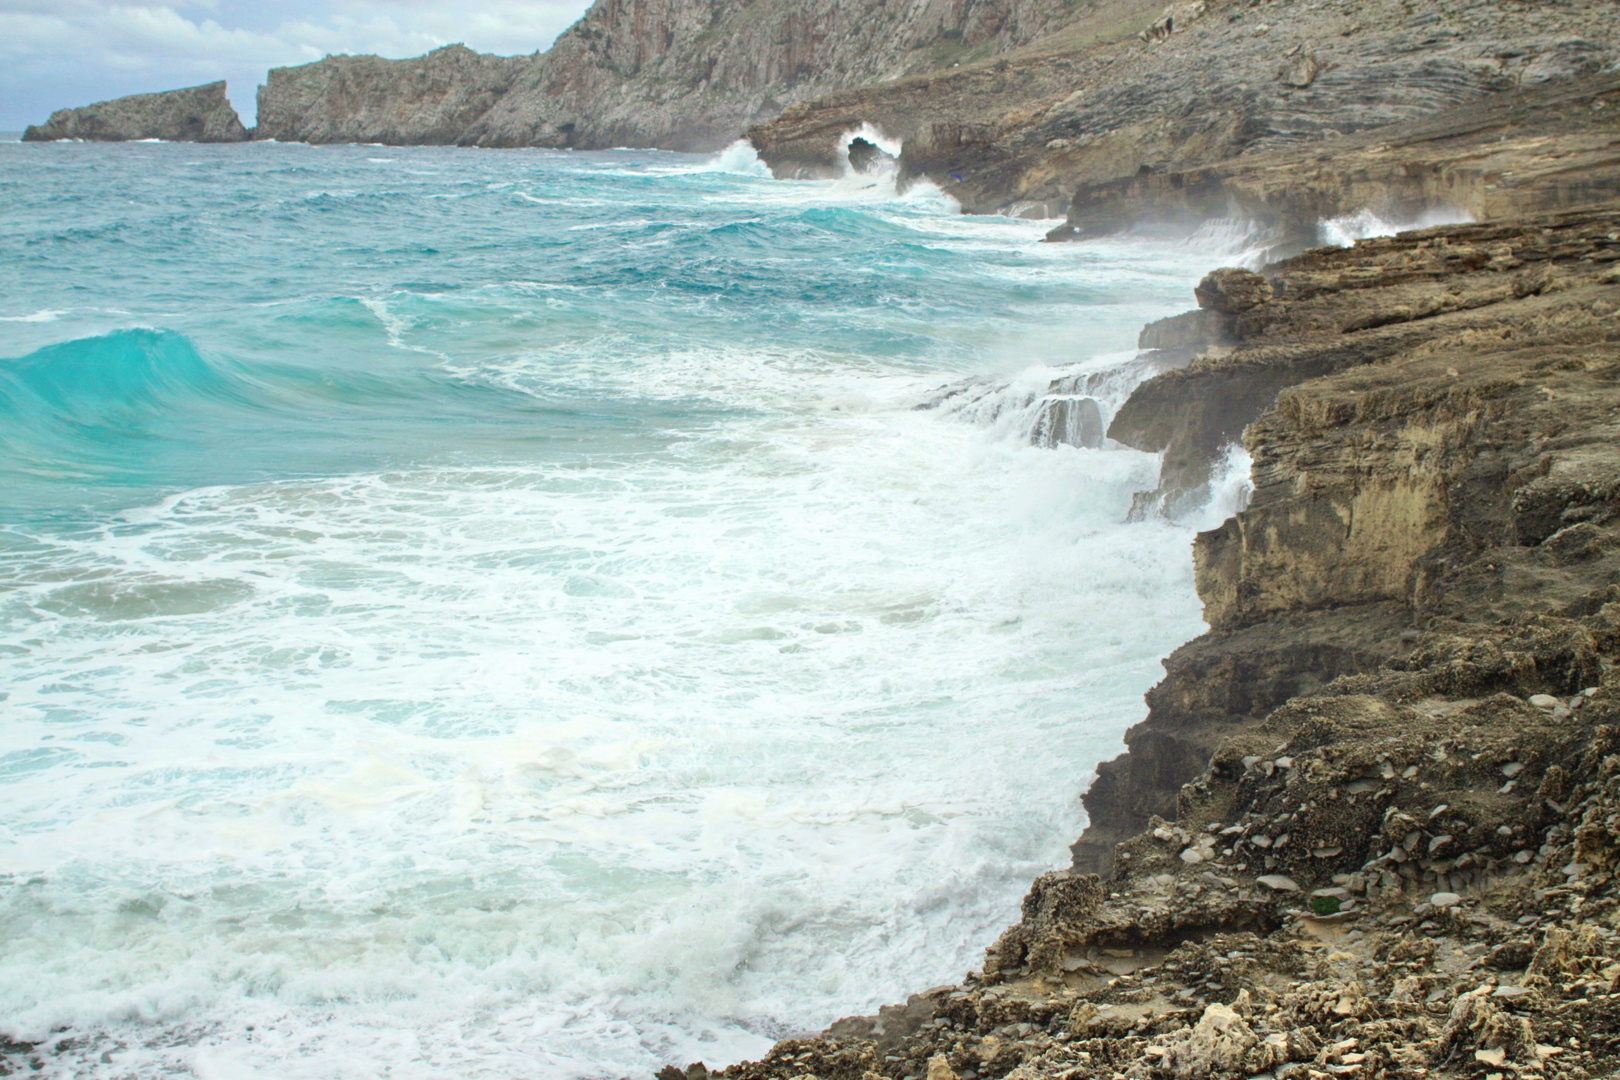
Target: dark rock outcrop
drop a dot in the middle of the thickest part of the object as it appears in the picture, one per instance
(196, 114)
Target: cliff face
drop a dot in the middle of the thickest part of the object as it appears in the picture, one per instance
(429, 100)
(195, 114)
(693, 74)
(1093, 103)
(673, 74)
(1397, 399)
(1373, 819)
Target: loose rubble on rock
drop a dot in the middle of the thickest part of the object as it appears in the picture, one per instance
(1401, 861)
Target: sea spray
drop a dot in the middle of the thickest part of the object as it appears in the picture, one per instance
(523, 623)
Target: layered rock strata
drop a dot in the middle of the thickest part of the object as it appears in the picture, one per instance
(1502, 156)
(1374, 814)
(195, 114)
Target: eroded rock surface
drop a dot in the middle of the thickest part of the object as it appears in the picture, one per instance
(196, 114)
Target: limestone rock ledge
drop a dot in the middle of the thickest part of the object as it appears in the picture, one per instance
(196, 114)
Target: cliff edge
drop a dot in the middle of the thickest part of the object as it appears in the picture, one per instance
(196, 114)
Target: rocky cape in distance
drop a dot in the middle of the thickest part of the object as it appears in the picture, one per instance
(196, 114)
(1370, 826)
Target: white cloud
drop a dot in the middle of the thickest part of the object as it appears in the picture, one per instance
(55, 53)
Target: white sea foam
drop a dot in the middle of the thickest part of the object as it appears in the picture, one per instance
(362, 749)
(740, 158)
(1230, 484)
(46, 315)
(1345, 230)
(757, 702)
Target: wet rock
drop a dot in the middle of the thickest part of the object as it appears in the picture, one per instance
(866, 156)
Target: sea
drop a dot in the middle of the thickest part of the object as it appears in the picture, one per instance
(543, 614)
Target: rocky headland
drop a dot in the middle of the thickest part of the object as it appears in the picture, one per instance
(430, 100)
(1371, 825)
(195, 114)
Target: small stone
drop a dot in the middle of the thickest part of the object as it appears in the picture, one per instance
(1445, 899)
(1512, 769)
(1510, 992)
(1327, 852)
(1544, 701)
(1278, 882)
(940, 1069)
(1191, 856)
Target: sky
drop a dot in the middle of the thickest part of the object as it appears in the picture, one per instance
(58, 53)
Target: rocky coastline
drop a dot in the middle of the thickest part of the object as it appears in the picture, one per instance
(1371, 825)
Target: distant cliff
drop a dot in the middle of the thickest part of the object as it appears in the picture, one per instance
(195, 114)
(431, 99)
(671, 74)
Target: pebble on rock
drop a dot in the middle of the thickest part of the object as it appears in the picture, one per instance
(1278, 882)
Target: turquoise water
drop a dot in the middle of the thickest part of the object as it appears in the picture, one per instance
(515, 613)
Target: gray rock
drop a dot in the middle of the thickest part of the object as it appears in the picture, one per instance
(429, 100)
(195, 114)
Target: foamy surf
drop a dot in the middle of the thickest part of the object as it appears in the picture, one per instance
(545, 637)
